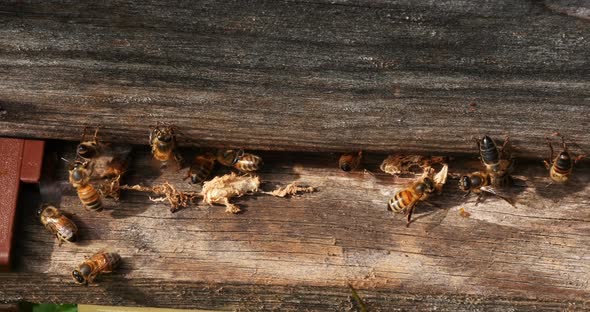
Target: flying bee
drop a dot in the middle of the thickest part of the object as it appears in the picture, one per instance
(59, 225)
(484, 182)
(201, 168)
(89, 149)
(350, 161)
(244, 162)
(80, 173)
(163, 143)
(108, 161)
(491, 155)
(101, 262)
(405, 200)
(561, 167)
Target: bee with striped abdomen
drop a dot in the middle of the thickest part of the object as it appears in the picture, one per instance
(101, 262)
(484, 182)
(244, 162)
(163, 143)
(59, 225)
(80, 173)
(405, 200)
(491, 156)
(350, 161)
(201, 168)
(561, 167)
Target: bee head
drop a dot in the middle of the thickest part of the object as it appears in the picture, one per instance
(346, 167)
(78, 277)
(164, 137)
(46, 210)
(79, 171)
(465, 183)
(427, 186)
(86, 150)
(164, 134)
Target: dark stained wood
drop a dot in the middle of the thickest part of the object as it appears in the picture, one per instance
(298, 75)
(300, 253)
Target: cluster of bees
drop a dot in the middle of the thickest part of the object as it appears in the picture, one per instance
(498, 166)
(97, 170)
(96, 173)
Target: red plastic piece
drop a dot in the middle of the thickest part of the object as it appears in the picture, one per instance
(20, 160)
(11, 151)
(30, 169)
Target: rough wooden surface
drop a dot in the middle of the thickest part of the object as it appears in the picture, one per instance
(300, 253)
(299, 75)
(249, 297)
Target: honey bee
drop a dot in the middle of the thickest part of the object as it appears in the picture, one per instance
(405, 200)
(163, 143)
(350, 161)
(89, 149)
(561, 167)
(201, 168)
(59, 225)
(108, 162)
(101, 262)
(80, 173)
(492, 157)
(244, 162)
(484, 182)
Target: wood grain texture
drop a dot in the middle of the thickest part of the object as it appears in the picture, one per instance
(383, 76)
(300, 253)
(249, 297)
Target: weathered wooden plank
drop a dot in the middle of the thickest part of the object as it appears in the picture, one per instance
(300, 253)
(250, 297)
(297, 75)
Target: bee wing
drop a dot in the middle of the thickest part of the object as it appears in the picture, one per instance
(50, 225)
(52, 191)
(499, 194)
(112, 157)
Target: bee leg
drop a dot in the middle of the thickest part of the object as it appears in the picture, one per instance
(550, 183)
(150, 138)
(504, 147)
(479, 199)
(563, 142)
(179, 160)
(476, 142)
(188, 175)
(547, 164)
(59, 241)
(84, 134)
(467, 194)
(580, 157)
(410, 212)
